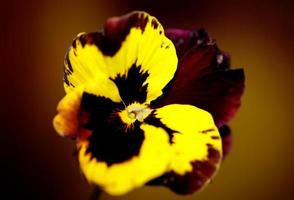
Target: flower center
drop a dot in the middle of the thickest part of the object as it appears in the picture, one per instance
(134, 112)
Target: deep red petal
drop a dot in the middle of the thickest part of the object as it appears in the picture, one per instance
(223, 60)
(218, 93)
(197, 62)
(227, 139)
(184, 40)
(203, 78)
(198, 54)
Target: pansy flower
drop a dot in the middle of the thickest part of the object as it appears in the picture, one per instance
(147, 106)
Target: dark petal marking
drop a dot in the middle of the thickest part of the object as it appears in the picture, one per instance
(74, 43)
(68, 62)
(115, 31)
(219, 93)
(65, 78)
(208, 130)
(99, 39)
(215, 137)
(111, 141)
(67, 71)
(213, 155)
(154, 23)
(192, 181)
(99, 108)
(130, 85)
(152, 120)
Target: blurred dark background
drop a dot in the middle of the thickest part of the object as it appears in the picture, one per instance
(36, 163)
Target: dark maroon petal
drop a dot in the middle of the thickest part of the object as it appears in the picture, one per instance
(197, 62)
(218, 93)
(203, 78)
(223, 61)
(184, 40)
(193, 181)
(198, 55)
(227, 139)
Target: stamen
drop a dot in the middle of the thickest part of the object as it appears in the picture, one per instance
(134, 112)
(132, 115)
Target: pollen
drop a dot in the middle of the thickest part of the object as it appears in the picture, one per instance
(134, 112)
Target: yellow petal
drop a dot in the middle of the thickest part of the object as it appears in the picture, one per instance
(194, 135)
(135, 40)
(119, 178)
(66, 122)
(69, 118)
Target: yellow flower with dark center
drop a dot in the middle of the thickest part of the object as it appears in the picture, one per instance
(114, 80)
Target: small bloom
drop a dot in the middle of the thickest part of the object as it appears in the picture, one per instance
(147, 106)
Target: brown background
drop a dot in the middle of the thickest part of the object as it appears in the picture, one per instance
(36, 162)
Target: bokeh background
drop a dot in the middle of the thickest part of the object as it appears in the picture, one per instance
(38, 164)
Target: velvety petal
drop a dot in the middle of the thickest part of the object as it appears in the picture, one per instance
(203, 78)
(118, 178)
(196, 63)
(132, 52)
(198, 57)
(198, 54)
(184, 40)
(219, 93)
(196, 146)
